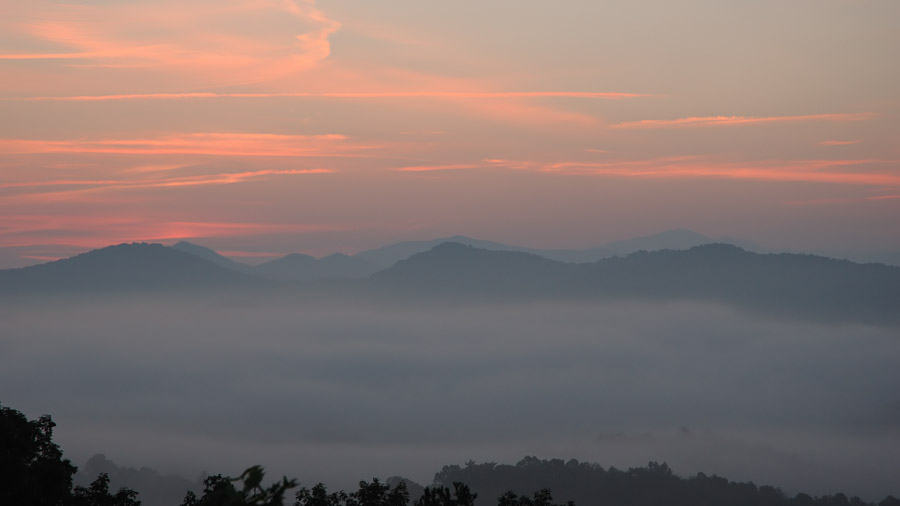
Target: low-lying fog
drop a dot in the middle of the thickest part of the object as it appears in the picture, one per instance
(339, 394)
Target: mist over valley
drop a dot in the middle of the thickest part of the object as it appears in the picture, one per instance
(459, 354)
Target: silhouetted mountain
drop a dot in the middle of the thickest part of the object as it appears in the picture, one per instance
(452, 268)
(783, 283)
(136, 266)
(669, 239)
(387, 256)
(208, 254)
(300, 267)
(881, 257)
(293, 266)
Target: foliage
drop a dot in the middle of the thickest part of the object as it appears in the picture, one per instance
(368, 494)
(220, 491)
(542, 497)
(31, 465)
(440, 496)
(589, 484)
(97, 494)
(34, 472)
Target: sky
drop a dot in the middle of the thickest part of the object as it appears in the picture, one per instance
(264, 127)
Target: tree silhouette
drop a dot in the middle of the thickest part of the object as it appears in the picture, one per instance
(97, 494)
(542, 497)
(220, 490)
(319, 496)
(368, 494)
(379, 494)
(34, 472)
(31, 465)
(440, 496)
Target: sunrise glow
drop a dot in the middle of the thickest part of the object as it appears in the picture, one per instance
(347, 117)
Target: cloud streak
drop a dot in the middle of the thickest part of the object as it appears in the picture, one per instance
(338, 95)
(95, 231)
(230, 41)
(839, 143)
(434, 168)
(708, 121)
(216, 144)
(199, 180)
(812, 171)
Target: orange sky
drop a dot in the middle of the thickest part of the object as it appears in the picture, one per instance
(263, 127)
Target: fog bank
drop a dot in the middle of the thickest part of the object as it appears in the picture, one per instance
(338, 393)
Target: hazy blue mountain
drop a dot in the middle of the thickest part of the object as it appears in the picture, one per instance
(677, 239)
(136, 266)
(289, 266)
(300, 267)
(453, 268)
(387, 256)
(208, 254)
(669, 239)
(882, 257)
(789, 284)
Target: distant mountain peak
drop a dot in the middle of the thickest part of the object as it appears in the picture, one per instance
(303, 267)
(212, 256)
(126, 266)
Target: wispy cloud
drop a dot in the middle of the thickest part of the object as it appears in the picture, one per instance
(838, 143)
(92, 231)
(198, 180)
(433, 168)
(813, 171)
(337, 95)
(203, 41)
(216, 144)
(706, 121)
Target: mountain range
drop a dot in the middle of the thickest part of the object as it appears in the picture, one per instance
(809, 286)
(387, 256)
(301, 267)
(790, 284)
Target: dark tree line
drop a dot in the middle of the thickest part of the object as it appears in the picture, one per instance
(33, 472)
(588, 484)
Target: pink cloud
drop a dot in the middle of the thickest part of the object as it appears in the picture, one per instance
(704, 121)
(344, 94)
(216, 144)
(432, 168)
(838, 143)
(93, 231)
(43, 258)
(203, 41)
(205, 179)
(814, 171)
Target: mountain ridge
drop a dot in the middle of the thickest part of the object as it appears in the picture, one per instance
(810, 286)
(781, 283)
